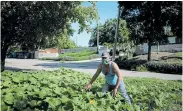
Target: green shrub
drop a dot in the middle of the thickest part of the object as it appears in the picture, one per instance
(141, 68)
(130, 64)
(123, 57)
(155, 66)
(164, 67)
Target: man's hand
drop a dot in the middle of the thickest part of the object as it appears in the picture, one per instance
(88, 86)
(115, 92)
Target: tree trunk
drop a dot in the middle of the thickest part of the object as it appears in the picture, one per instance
(3, 57)
(149, 52)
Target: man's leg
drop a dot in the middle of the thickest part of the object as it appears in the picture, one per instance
(123, 92)
(105, 88)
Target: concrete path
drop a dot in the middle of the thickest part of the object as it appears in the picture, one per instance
(88, 66)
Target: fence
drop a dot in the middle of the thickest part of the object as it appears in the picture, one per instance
(167, 48)
(143, 49)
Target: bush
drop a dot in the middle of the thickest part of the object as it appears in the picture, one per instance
(130, 64)
(164, 67)
(141, 68)
(123, 57)
(155, 66)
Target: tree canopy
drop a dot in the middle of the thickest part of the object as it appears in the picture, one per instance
(146, 20)
(107, 33)
(31, 23)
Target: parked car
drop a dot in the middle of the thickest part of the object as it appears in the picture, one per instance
(23, 55)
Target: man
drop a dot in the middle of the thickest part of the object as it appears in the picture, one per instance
(113, 77)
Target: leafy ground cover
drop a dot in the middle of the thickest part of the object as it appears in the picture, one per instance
(63, 90)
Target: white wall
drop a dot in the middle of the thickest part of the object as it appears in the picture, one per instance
(41, 55)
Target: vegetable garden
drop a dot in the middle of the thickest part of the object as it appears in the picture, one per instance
(63, 89)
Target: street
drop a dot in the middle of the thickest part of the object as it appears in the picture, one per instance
(89, 67)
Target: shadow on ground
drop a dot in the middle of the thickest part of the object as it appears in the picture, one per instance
(56, 64)
(18, 69)
(81, 65)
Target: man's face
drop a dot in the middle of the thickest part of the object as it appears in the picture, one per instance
(105, 61)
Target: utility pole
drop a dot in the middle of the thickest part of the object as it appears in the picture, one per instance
(97, 38)
(116, 33)
(76, 41)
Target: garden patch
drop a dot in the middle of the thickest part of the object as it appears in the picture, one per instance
(63, 89)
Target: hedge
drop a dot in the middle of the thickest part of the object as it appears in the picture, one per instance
(154, 66)
(164, 67)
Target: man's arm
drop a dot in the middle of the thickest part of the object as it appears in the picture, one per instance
(118, 73)
(96, 74)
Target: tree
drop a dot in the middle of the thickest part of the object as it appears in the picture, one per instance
(107, 34)
(31, 24)
(64, 41)
(146, 20)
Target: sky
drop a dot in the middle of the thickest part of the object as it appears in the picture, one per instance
(106, 10)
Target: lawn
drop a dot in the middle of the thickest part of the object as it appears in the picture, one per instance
(63, 90)
(77, 56)
(178, 54)
(74, 56)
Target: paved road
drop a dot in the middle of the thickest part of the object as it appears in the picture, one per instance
(83, 66)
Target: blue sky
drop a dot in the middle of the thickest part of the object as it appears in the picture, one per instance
(106, 10)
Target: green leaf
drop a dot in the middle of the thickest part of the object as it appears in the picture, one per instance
(6, 83)
(57, 90)
(109, 108)
(137, 108)
(42, 94)
(27, 109)
(33, 103)
(4, 107)
(20, 105)
(100, 94)
(53, 102)
(8, 98)
(64, 99)
(33, 80)
(76, 101)
(15, 79)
